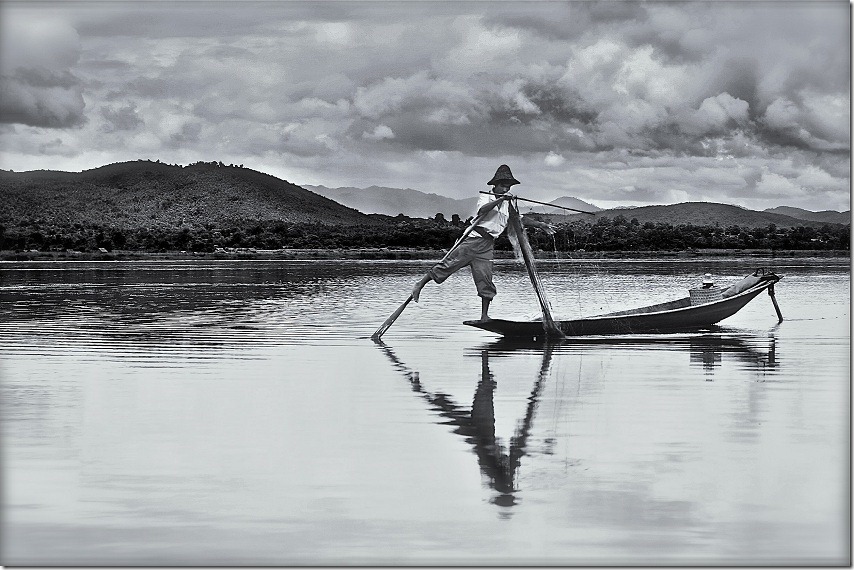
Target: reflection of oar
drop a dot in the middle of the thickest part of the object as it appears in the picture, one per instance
(390, 321)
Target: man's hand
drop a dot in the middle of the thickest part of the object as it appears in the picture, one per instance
(531, 223)
(548, 228)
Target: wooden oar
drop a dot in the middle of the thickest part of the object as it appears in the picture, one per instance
(774, 300)
(544, 203)
(389, 321)
(393, 317)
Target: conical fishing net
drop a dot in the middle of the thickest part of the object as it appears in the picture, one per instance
(522, 249)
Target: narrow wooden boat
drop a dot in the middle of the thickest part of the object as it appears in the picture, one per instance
(673, 316)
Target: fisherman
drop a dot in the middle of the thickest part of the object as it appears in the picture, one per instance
(476, 251)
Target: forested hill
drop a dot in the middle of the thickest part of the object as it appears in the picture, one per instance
(701, 214)
(152, 194)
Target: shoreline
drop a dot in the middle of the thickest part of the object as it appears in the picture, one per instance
(396, 254)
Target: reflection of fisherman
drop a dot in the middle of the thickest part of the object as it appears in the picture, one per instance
(497, 462)
(498, 465)
(476, 251)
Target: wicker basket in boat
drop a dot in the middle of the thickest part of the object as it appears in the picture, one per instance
(700, 295)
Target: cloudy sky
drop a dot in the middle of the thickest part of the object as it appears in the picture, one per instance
(745, 103)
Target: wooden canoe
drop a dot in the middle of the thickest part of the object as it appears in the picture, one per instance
(673, 316)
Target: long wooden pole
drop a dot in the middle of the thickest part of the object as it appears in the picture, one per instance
(390, 321)
(774, 300)
(550, 328)
(393, 317)
(544, 204)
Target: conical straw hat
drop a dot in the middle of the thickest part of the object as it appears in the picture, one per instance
(503, 174)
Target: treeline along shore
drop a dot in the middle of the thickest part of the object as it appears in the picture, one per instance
(387, 254)
(605, 234)
(145, 208)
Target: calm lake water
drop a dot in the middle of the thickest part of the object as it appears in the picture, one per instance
(237, 413)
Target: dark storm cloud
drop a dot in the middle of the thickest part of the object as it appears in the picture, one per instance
(41, 98)
(562, 105)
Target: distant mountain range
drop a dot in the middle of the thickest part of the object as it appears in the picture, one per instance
(828, 216)
(394, 201)
(141, 194)
(415, 204)
(565, 201)
(705, 214)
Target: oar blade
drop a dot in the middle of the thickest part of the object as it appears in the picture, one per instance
(389, 321)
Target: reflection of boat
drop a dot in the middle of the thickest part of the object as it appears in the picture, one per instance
(678, 315)
(498, 462)
(706, 349)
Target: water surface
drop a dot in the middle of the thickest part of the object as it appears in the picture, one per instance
(209, 413)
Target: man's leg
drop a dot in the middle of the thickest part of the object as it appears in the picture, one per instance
(445, 268)
(484, 309)
(481, 272)
(416, 291)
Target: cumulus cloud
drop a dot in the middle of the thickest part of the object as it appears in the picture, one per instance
(722, 112)
(40, 98)
(379, 133)
(662, 100)
(818, 122)
(554, 159)
(772, 184)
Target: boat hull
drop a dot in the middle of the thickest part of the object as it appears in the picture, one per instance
(689, 317)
